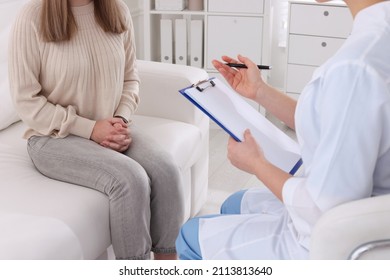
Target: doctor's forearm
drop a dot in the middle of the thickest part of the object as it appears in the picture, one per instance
(278, 104)
(272, 177)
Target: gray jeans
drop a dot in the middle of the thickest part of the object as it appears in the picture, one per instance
(143, 185)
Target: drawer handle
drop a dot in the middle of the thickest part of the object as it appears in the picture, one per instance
(324, 44)
(326, 13)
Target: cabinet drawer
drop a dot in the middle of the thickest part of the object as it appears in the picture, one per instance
(226, 36)
(320, 20)
(234, 6)
(310, 50)
(297, 77)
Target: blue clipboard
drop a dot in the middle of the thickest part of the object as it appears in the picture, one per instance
(234, 115)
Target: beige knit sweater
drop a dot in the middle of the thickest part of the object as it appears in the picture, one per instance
(64, 88)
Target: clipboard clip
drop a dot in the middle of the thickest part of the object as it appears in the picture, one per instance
(204, 84)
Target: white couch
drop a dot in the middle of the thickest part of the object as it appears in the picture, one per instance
(42, 218)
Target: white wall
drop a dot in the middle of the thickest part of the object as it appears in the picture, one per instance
(278, 53)
(136, 9)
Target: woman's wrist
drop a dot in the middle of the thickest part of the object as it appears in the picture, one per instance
(120, 117)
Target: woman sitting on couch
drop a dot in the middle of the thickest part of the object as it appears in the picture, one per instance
(74, 82)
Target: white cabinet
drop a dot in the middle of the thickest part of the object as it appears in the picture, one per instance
(311, 18)
(232, 6)
(312, 50)
(228, 27)
(316, 32)
(226, 36)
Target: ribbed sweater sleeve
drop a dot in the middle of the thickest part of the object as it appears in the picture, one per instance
(129, 100)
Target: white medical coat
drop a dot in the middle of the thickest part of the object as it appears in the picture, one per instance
(343, 128)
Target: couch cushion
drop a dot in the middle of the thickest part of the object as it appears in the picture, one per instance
(34, 237)
(8, 12)
(180, 139)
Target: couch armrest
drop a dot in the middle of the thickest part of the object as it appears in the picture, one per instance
(159, 91)
(345, 231)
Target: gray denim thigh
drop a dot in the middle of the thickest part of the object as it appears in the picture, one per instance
(167, 199)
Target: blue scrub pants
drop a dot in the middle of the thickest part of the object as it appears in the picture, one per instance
(187, 243)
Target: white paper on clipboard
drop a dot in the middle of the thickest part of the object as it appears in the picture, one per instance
(232, 113)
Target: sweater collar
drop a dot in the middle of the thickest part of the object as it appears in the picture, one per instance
(83, 10)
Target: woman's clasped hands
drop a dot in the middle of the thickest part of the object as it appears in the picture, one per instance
(112, 133)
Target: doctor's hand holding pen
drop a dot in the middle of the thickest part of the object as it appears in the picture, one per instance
(246, 81)
(249, 83)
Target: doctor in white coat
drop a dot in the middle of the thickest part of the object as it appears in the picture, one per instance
(342, 121)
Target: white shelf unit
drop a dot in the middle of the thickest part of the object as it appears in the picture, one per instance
(227, 28)
(230, 27)
(316, 32)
